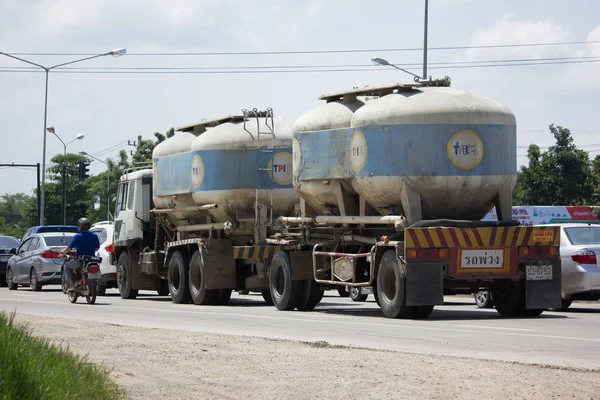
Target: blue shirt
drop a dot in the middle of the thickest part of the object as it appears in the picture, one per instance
(86, 243)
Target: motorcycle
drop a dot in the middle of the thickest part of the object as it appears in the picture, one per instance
(86, 280)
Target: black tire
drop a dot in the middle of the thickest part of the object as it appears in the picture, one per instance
(164, 288)
(92, 293)
(532, 312)
(266, 294)
(311, 296)
(285, 292)
(10, 280)
(342, 291)
(72, 297)
(565, 304)
(102, 290)
(222, 297)
(420, 312)
(508, 298)
(198, 291)
(33, 281)
(356, 295)
(178, 273)
(124, 277)
(391, 287)
(483, 299)
(63, 281)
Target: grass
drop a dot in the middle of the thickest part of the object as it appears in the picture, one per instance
(33, 368)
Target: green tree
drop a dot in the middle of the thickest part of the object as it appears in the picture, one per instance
(143, 151)
(76, 190)
(161, 138)
(560, 176)
(97, 185)
(13, 216)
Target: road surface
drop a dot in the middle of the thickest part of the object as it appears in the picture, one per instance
(459, 328)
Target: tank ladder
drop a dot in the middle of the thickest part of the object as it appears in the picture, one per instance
(262, 182)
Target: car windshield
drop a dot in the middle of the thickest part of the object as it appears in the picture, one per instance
(583, 235)
(8, 243)
(62, 240)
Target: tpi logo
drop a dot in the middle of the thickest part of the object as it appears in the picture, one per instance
(279, 168)
(465, 149)
(358, 151)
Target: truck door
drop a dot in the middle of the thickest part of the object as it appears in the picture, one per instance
(128, 220)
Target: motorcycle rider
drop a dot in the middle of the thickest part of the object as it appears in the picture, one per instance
(86, 243)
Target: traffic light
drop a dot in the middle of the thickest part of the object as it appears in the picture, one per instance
(84, 170)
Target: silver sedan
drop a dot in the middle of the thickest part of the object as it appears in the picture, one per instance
(38, 261)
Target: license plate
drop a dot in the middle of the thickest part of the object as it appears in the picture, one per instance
(475, 259)
(538, 272)
(94, 275)
(5, 258)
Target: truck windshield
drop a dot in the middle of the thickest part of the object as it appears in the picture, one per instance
(583, 235)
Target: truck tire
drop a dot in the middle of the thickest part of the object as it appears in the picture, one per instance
(342, 291)
(419, 312)
(391, 287)
(508, 298)
(285, 292)
(222, 297)
(311, 296)
(198, 291)
(266, 294)
(164, 288)
(124, 277)
(356, 295)
(178, 274)
(565, 304)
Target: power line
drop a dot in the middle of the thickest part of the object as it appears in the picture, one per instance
(405, 65)
(329, 51)
(280, 71)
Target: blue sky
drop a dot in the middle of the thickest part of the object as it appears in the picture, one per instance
(113, 108)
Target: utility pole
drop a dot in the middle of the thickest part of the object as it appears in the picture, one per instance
(38, 192)
(425, 40)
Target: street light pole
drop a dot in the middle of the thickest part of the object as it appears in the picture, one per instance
(64, 170)
(107, 182)
(114, 53)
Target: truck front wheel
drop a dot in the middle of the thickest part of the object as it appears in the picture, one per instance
(178, 274)
(124, 277)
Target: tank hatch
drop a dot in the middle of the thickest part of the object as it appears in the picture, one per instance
(380, 91)
(201, 127)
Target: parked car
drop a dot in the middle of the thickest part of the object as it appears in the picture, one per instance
(48, 228)
(38, 261)
(7, 243)
(580, 264)
(105, 231)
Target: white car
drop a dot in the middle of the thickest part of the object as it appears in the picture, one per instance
(105, 231)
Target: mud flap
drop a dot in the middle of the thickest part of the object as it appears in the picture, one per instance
(542, 294)
(219, 265)
(424, 284)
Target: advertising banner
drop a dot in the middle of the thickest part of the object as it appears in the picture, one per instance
(540, 215)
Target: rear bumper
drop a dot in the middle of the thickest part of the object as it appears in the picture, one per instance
(582, 282)
(108, 277)
(50, 278)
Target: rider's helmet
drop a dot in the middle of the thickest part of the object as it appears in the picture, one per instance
(84, 224)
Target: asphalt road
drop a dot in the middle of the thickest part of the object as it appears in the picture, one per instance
(459, 328)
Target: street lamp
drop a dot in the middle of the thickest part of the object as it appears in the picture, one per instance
(381, 61)
(114, 53)
(83, 153)
(64, 170)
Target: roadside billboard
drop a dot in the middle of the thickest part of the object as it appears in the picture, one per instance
(539, 215)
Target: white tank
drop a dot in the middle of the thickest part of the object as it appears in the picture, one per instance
(226, 161)
(421, 152)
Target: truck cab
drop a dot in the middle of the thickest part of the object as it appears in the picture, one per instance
(134, 202)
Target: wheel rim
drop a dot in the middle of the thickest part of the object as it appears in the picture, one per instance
(279, 281)
(481, 297)
(389, 284)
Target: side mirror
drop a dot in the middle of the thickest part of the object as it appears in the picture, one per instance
(13, 251)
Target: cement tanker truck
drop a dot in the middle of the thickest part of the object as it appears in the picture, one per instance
(379, 189)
